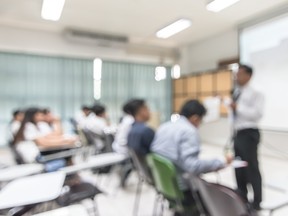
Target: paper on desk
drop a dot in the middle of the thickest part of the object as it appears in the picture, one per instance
(239, 164)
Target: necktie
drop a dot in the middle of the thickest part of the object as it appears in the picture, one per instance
(236, 96)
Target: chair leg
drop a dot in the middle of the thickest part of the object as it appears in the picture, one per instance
(162, 206)
(95, 207)
(137, 197)
(156, 204)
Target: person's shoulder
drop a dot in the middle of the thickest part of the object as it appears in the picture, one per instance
(128, 119)
(30, 125)
(255, 91)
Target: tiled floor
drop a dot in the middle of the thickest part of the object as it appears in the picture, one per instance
(119, 202)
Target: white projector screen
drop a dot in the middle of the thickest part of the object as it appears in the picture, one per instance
(265, 47)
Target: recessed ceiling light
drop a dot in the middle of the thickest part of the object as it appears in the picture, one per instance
(218, 5)
(173, 28)
(52, 9)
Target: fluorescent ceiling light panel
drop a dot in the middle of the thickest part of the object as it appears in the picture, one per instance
(52, 9)
(218, 5)
(174, 28)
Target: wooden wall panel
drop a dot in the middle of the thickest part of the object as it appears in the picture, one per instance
(224, 81)
(192, 85)
(179, 86)
(178, 103)
(207, 83)
(202, 86)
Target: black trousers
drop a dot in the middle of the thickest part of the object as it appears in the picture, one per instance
(246, 147)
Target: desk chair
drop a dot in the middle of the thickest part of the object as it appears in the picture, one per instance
(144, 176)
(73, 210)
(17, 157)
(220, 200)
(165, 180)
(78, 192)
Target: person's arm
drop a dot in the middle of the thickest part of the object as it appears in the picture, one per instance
(189, 156)
(57, 126)
(253, 112)
(55, 141)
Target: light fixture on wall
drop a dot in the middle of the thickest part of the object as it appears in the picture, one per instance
(218, 5)
(97, 77)
(173, 28)
(176, 72)
(160, 73)
(52, 9)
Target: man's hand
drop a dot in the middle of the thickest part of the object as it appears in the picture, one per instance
(229, 158)
(233, 106)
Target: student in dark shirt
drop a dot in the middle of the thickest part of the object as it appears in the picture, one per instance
(140, 136)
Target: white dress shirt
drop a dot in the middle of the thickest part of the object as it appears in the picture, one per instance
(249, 111)
(120, 142)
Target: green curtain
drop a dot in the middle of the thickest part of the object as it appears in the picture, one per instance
(122, 81)
(62, 84)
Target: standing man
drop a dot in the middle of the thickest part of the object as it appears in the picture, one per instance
(247, 107)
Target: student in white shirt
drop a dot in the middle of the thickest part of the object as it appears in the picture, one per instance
(29, 131)
(95, 125)
(50, 124)
(247, 110)
(82, 116)
(15, 124)
(97, 120)
(121, 138)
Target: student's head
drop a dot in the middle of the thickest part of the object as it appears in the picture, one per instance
(32, 115)
(99, 110)
(18, 115)
(139, 110)
(86, 110)
(127, 107)
(47, 116)
(194, 111)
(244, 75)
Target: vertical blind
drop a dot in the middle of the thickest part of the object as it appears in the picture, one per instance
(64, 84)
(122, 81)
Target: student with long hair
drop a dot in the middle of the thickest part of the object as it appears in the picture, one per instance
(29, 131)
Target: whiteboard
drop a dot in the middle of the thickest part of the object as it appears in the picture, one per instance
(265, 47)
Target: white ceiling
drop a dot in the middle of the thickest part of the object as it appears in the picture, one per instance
(137, 19)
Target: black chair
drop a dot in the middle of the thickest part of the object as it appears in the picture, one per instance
(78, 192)
(220, 200)
(144, 176)
(17, 157)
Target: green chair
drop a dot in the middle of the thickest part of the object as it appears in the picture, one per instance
(165, 179)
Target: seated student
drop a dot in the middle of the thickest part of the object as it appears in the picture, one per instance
(180, 142)
(15, 124)
(50, 124)
(29, 137)
(82, 117)
(29, 131)
(95, 125)
(120, 142)
(140, 136)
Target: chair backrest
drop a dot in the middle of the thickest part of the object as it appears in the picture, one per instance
(164, 176)
(218, 199)
(141, 166)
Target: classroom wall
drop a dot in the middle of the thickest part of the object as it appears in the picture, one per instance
(21, 40)
(204, 55)
(218, 133)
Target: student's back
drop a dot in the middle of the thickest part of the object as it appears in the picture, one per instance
(140, 138)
